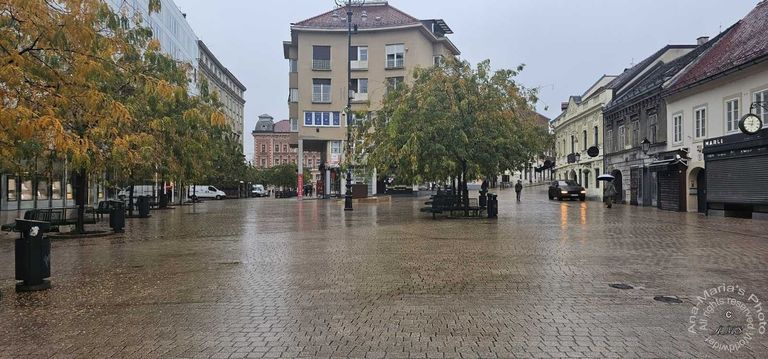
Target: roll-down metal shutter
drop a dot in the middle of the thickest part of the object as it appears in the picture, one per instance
(738, 180)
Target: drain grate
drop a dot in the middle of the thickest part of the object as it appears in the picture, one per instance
(621, 286)
(667, 299)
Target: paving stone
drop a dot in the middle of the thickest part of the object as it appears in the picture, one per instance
(280, 278)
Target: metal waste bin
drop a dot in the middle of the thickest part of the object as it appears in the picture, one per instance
(117, 216)
(493, 205)
(163, 203)
(143, 204)
(33, 256)
(483, 199)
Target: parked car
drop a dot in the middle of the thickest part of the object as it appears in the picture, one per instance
(205, 191)
(567, 189)
(258, 190)
(287, 193)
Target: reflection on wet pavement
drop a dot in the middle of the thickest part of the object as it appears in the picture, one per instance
(271, 278)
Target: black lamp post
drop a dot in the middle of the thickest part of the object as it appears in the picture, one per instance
(645, 146)
(348, 5)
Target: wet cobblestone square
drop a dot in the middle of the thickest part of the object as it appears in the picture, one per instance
(266, 278)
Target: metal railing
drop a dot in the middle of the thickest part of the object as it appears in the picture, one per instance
(395, 63)
(321, 64)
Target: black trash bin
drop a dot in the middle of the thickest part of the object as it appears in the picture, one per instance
(143, 204)
(163, 200)
(483, 199)
(493, 205)
(117, 216)
(33, 256)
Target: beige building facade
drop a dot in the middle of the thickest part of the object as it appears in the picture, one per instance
(577, 129)
(388, 45)
(226, 86)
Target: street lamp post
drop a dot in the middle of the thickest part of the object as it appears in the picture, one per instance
(348, 4)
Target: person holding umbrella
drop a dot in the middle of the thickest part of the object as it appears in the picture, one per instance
(610, 189)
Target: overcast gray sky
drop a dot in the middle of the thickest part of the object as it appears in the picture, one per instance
(566, 45)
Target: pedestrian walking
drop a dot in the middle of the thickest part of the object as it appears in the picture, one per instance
(518, 189)
(610, 192)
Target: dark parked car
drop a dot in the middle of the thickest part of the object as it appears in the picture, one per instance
(567, 189)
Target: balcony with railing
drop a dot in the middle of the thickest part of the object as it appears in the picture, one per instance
(395, 63)
(321, 97)
(358, 65)
(321, 65)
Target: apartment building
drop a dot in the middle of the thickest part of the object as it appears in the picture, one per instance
(386, 46)
(578, 137)
(272, 146)
(171, 29)
(227, 88)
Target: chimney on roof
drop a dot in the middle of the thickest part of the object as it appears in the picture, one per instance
(702, 40)
(563, 106)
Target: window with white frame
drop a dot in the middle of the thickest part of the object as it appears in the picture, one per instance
(335, 147)
(395, 56)
(677, 128)
(322, 119)
(393, 83)
(359, 86)
(358, 57)
(294, 125)
(761, 96)
(622, 138)
(293, 95)
(321, 57)
(700, 122)
(732, 115)
(293, 66)
(321, 90)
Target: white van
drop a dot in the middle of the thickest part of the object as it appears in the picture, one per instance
(205, 191)
(258, 191)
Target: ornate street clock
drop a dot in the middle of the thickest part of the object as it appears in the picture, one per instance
(750, 124)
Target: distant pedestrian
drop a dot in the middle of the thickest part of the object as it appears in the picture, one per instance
(484, 186)
(518, 189)
(610, 192)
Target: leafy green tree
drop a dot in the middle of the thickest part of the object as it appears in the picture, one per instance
(453, 121)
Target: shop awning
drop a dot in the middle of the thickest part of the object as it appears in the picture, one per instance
(664, 164)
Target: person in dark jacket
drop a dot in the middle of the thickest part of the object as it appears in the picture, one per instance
(518, 189)
(610, 192)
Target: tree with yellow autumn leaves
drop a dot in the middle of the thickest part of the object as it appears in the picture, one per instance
(82, 84)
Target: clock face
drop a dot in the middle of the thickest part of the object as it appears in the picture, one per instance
(751, 124)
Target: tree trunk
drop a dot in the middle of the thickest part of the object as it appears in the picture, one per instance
(464, 189)
(81, 197)
(130, 201)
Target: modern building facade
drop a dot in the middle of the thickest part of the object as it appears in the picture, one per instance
(723, 169)
(170, 27)
(176, 38)
(272, 146)
(226, 86)
(637, 115)
(578, 130)
(386, 47)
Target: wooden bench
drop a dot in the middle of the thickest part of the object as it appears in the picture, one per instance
(55, 216)
(442, 203)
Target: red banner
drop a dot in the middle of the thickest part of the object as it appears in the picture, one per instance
(300, 190)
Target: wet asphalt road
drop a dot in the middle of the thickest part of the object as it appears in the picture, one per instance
(280, 278)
